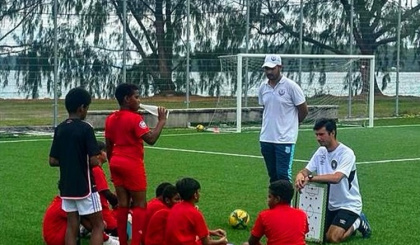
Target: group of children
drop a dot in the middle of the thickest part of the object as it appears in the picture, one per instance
(85, 197)
(55, 219)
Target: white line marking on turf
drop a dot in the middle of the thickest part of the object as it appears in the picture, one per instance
(260, 157)
(19, 141)
(202, 152)
(394, 160)
(224, 153)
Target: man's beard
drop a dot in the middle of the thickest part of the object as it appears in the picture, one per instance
(271, 77)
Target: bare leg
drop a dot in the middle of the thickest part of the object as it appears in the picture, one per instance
(336, 234)
(96, 238)
(72, 228)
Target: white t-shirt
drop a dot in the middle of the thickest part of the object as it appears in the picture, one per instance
(280, 123)
(345, 194)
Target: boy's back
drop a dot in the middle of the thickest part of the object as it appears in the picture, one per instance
(125, 128)
(54, 224)
(155, 232)
(281, 225)
(185, 223)
(74, 140)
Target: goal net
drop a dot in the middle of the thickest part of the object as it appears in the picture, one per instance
(335, 86)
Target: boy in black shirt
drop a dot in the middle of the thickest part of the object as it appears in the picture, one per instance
(75, 149)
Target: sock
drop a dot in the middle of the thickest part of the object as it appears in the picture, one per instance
(139, 221)
(122, 215)
(356, 224)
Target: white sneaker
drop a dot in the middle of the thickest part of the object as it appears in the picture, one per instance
(114, 237)
(111, 241)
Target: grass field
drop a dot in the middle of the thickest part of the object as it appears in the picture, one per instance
(232, 175)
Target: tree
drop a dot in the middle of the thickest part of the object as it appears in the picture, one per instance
(90, 41)
(326, 27)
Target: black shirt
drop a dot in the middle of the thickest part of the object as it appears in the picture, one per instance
(74, 142)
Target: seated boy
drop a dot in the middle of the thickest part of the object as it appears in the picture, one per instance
(185, 224)
(157, 203)
(155, 231)
(106, 196)
(54, 225)
(281, 224)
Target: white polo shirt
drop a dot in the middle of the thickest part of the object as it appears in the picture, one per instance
(280, 122)
(345, 194)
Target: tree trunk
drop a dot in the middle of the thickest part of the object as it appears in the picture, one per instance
(164, 82)
(365, 71)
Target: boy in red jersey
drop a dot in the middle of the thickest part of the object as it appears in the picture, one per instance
(185, 223)
(54, 225)
(155, 231)
(125, 131)
(155, 204)
(281, 224)
(74, 144)
(158, 202)
(107, 197)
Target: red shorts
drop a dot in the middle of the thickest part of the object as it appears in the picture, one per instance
(128, 173)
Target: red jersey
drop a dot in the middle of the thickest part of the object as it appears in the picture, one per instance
(185, 225)
(101, 185)
(155, 231)
(282, 225)
(125, 129)
(55, 223)
(153, 206)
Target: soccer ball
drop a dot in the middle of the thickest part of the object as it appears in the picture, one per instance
(239, 219)
(200, 127)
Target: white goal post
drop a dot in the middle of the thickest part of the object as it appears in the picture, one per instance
(356, 70)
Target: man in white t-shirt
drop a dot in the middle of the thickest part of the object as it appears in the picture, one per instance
(335, 164)
(284, 108)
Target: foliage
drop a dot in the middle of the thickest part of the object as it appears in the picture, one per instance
(326, 28)
(91, 41)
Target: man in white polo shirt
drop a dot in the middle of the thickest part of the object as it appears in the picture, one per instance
(335, 164)
(284, 108)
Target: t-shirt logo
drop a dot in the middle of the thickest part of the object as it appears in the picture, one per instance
(142, 124)
(282, 92)
(334, 164)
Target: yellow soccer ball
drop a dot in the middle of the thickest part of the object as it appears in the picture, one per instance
(239, 219)
(200, 128)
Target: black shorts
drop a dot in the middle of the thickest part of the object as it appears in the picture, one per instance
(342, 218)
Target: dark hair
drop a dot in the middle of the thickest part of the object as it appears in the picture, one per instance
(169, 192)
(101, 145)
(160, 188)
(187, 187)
(124, 89)
(329, 125)
(77, 97)
(282, 189)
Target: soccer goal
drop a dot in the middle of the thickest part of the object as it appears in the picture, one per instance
(335, 86)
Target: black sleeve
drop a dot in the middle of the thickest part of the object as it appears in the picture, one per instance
(92, 144)
(54, 151)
